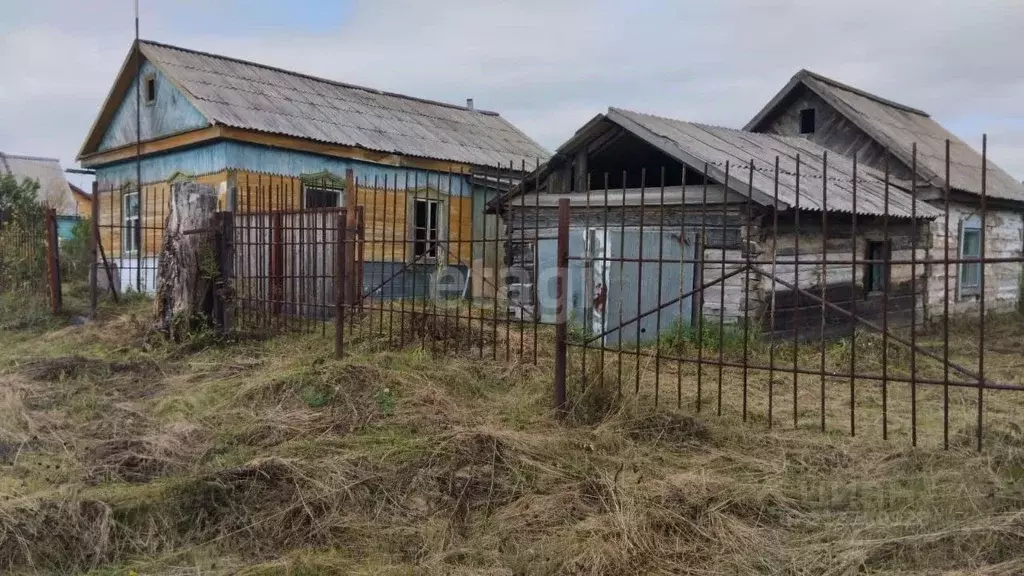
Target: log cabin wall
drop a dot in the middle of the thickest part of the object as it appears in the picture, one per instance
(1004, 238)
(832, 131)
(826, 270)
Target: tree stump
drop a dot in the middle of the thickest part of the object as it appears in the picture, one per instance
(187, 272)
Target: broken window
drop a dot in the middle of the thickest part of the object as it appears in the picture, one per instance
(807, 121)
(425, 229)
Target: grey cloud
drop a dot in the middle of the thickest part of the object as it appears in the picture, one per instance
(551, 65)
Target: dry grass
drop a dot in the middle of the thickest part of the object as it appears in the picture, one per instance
(122, 455)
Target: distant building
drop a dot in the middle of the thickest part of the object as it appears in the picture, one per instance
(852, 122)
(83, 201)
(54, 190)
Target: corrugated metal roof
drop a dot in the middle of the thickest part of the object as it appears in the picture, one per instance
(898, 127)
(256, 97)
(820, 188)
(54, 191)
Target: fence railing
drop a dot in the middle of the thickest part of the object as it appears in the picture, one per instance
(865, 303)
(30, 266)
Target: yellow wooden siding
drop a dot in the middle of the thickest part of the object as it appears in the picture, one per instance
(152, 213)
(385, 213)
(267, 192)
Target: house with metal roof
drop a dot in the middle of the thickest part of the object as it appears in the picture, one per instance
(972, 193)
(54, 190)
(270, 140)
(740, 224)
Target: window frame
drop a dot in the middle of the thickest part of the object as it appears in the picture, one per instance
(131, 236)
(969, 225)
(147, 80)
(440, 226)
(339, 194)
(808, 115)
(878, 271)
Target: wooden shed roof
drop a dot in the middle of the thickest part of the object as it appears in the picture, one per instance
(899, 127)
(250, 96)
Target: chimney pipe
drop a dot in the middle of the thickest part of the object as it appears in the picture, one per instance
(469, 103)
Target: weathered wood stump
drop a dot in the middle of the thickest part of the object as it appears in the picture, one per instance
(188, 269)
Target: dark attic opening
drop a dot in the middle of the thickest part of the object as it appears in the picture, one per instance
(629, 162)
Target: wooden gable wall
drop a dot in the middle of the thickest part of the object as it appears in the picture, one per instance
(833, 131)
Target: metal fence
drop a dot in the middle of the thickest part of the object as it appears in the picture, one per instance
(896, 320)
(30, 258)
(868, 306)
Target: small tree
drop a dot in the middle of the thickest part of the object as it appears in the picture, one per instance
(18, 201)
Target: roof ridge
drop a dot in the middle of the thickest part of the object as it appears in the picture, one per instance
(320, 78)
(805, 73)
(24, 157)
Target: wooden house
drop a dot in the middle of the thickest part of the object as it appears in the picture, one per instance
(652, 197)
(851, 122)
(274, 140)
(83, 201)
(54, 190)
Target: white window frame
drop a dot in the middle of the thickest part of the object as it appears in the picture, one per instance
(145, 89)
(130, 240)
(969, 225)
(439, 227)
(338, 193)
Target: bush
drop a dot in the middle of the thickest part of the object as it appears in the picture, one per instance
(74, 253)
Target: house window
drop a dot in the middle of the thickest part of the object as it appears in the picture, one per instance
(321, 197)
(970, 248)
(877, 275)
(130, 232)
(426, 216)
(150, 89)
(807, 121)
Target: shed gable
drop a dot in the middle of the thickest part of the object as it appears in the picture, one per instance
(832, 131)
(167, 114)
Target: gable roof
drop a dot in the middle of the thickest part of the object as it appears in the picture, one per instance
(898, 127)
(696, 144)
(54, 191)
(252, 96)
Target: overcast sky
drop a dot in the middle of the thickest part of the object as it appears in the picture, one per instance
(546, 65)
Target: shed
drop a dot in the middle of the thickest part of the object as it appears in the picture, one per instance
(701, 202)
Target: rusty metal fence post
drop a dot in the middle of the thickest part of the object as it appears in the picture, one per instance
(341, 291)
(53, 260)
(561, 313)
(276, 263)
(94, 242)
(224, 243)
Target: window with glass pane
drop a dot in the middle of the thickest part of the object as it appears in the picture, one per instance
(425, 228)
(130, 232)
(970, 247)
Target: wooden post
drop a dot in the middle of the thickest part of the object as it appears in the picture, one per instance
(340, 284)
(561, 329)
(276, 263)
(53, 260)
(94, 241)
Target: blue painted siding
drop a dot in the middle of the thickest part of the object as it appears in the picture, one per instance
(66, 226)
(217, 156)
(194, 161)
(170, 114)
